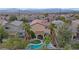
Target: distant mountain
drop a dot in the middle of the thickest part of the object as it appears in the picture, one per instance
(9, 10)
(55, 10)
(50, 10)
(31, 10)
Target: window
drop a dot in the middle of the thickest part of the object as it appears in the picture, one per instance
(6, 27)
(21, 33)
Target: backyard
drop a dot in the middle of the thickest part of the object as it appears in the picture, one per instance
(38, 34)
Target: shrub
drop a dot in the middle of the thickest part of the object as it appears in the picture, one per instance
(14, 43)
(75, 46)
(47, 39)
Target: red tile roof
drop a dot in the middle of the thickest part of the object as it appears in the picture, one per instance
(37, 21)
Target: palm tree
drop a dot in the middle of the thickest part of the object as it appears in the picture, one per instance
(65, 33)
(64, 36)
(27, 29)
(52, 28)
(66, 21)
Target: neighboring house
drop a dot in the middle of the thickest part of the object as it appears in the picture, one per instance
(58, 23)
(3, 22)
(40, 27)
(75, 24)
(15, 29)
(75, 30)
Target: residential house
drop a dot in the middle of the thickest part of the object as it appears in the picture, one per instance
(75, 29)
(40, 28)
(15, 29)
(3, 22)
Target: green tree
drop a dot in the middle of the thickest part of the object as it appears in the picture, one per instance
(32, 34)
(47, 40)
(61, 18)
(24, 19)
(46, 14)
(15, 43)
(75, 46)
(64, 36)
(66, 21)
(52, 28)
(12, 18)
(77, 16)
(67, 47)
(3, 34)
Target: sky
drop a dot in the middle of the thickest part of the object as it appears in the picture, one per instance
(39, 3)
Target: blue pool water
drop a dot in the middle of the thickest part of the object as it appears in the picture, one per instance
(36, 46)
(39, 46)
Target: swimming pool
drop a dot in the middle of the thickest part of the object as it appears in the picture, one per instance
(39, 45)
(35, 45)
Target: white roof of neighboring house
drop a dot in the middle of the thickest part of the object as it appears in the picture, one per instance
(75, 23)
(14, 26)
(58, 22)
(17, 23)
(3, 22)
